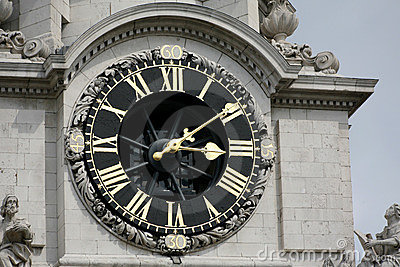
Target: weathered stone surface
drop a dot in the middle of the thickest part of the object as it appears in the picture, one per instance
(310, 184)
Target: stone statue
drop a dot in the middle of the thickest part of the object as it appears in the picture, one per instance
(15, 248)
(385, 250)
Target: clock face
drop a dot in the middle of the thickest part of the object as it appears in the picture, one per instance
(171, 147)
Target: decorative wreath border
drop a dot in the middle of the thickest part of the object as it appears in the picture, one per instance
(129, 233)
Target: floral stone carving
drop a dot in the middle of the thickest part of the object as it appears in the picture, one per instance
(325, 62)
(16, 234)
(280, 23)
(6, 9)
(14, 42)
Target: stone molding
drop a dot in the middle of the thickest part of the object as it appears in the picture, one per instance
(139, 260)
(245, 45)
(242, 42)
(325, 92)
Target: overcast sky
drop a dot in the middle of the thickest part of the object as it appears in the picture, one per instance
(365, 36)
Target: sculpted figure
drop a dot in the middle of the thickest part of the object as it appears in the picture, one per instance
(16, 236)
(385, 250)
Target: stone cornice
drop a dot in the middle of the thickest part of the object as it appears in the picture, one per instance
(249, 44)
(325, 92)
(287, 83)
(22, 78)
(203, 24)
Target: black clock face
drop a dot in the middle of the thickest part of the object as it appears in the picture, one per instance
(171, 147)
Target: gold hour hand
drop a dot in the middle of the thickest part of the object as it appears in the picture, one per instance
(211, 150)
(175, 144)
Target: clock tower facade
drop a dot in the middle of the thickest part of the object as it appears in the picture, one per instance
(176, 132)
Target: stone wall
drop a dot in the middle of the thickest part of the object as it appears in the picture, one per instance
(86, 13)
(44, 19)
(27, 167)
(313, 179)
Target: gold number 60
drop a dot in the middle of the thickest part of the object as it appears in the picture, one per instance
(171, 52)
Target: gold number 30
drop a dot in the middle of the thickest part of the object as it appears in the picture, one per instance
(175, 241)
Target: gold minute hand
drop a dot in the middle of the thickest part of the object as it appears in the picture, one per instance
(229, 108)
(174, 145)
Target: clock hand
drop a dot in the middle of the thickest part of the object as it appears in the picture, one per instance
(211, 150)
(174, 145)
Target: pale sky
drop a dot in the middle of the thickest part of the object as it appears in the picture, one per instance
(365, 36)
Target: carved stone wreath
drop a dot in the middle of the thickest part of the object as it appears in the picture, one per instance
(130, 233)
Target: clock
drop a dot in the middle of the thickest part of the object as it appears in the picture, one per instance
(167, 150)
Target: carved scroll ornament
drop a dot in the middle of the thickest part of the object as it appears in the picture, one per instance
(282, 22)
(15, 42)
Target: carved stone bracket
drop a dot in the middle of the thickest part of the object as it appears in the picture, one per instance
(14, 42)
(325, 62)
(282, 22)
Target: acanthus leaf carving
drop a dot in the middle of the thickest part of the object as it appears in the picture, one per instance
(325, 62)
(280, 22)
(6, 9)
(15, 41)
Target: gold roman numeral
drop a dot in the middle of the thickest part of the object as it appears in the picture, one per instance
(233, 181)
(211, 210)
(136, 202)
(98, 144)
(117, 187)
(114, 178)
(177, 79)
(240, 148)
(139, 92)
(107, 106)
(236, 112)
(205, 88)
(179, 217)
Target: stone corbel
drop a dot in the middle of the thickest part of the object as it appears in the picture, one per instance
(282, 22)
(14, 42)
(325, 62)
